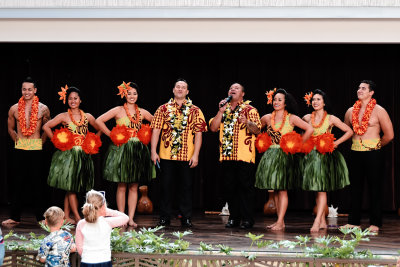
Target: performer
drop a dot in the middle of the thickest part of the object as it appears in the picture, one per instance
(181, 125)
(71, 167)
(238, 123)
(367, 119)
(27, 115)
(128, 163)
(323, 171)
(276, 169)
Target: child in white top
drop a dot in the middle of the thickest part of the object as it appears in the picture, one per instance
(93, 233)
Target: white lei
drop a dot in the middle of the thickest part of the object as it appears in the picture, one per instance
(178, 124)
(229, 124)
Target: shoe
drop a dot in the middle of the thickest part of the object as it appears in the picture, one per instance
(246, 225)
(186, 222)
(163, 222)
(232, 223)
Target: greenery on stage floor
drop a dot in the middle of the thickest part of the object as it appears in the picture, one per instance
(146, 240)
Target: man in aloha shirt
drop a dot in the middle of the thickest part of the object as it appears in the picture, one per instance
(181, 125)
(238, 124)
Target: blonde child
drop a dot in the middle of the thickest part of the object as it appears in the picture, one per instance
(93, 233)
(56, 247)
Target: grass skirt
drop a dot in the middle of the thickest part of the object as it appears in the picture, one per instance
(71, 170)
(129, 163)
(276, 170)
(324, 172)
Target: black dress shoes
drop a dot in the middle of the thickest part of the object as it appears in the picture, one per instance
(163, 222)
(186, 222)
(246, 225)
(232, 223)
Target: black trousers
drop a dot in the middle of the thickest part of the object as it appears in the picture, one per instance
(366, 165)
(239, 178)
(27, 183)
(176, 179)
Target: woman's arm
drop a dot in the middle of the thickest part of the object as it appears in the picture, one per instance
(53, 123)
(100, 121)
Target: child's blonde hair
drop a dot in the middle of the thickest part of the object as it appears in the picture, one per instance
(94, 201)
(53, 216)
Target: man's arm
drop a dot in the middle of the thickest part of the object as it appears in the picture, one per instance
(386, 126)
(155, 135)
(194, 161)
(11, 124)
(46, 118)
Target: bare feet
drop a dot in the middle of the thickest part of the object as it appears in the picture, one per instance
(132, 223)
(315, 227)
(70, 220)
(9, 222)
(278, 227)
(373, 228)
(271, 225)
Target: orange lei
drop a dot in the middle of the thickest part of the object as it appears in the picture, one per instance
(313, 120)
(273, 121)
(33, 119)
(361, 129)
(136, 120)
(80, 123)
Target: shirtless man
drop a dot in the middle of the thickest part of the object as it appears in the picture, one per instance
(368, 120)
(25, 119)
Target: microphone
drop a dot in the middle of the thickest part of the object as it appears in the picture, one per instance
(226, 101)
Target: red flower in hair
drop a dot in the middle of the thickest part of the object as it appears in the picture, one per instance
(120, 135)
(291, 143)
(91, 144)
(63, 139)
(324, 143)
(144, 134)
(269, 94)
(263, 142)
(308, 98)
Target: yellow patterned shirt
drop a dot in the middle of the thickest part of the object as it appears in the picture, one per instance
(28, 144)
(243, 142)
(195, 124)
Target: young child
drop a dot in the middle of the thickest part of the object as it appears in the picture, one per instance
(93, 233)
(56, 247)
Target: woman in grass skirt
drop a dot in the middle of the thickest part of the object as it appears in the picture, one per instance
(276, 168)
(127, 162)
(326, 171)
(71, 167)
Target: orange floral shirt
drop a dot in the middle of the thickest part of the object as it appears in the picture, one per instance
(195, 124)
(243, 141)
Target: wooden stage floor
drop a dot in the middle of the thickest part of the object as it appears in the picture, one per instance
(210, 229)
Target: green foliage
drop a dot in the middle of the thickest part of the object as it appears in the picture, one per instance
(324, 246)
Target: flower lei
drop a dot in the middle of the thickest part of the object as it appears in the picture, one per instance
(314, 125)
(361, 129)
(136, 120)
(230, 119)
(33, 119)
(273, 121)
(178, 124)
(80, 123)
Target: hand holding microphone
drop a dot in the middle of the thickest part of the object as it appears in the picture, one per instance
(225, 101)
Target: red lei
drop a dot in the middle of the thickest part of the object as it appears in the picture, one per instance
(136, 120)
(273, 121)
(314, 125)
(361, 129)
(33, 118)
(80, 123)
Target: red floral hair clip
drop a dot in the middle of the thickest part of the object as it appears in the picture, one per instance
(269, 94)
(123, 89)
(63, 93)
(308, 98)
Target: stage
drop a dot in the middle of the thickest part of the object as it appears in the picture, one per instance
(210, 229)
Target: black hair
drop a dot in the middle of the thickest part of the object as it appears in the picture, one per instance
(134, 86)
(71, 90)
(290, 102)
(243, 90)
(372, 85)
(29, 80)
(181, 80)
(327, 107)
